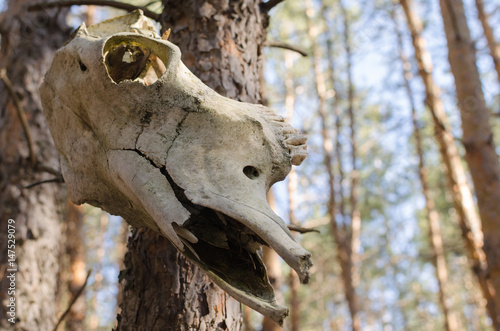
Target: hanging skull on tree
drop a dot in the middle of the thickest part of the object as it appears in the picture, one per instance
(141, 137)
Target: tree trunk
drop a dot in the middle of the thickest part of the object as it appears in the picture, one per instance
(457, 180)
(271, 260)
(121, 250)
(490, 37)
(342, 236)
(247, 318)
(293, 278)
(28, 44)
(355, 215)
(221, 43)
(98, 276)
(480, 152)
(77, 274)
(435, 238)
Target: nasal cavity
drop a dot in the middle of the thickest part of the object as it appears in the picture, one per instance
(251, 172)
(133, 61)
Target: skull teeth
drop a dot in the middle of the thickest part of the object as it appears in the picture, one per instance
(185, 233)
(221, 217)
(296, 139)
(191, 249)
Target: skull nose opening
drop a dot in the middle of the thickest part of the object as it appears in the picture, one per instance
(251, 172)
(130, 60)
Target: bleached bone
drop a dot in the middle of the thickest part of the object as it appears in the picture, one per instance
(140, 136)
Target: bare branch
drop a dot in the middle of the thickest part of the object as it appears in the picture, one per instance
(108, 3)
(278, 44)
(21, 113)
(80, 291)
(301, 229)
(53, 180)
(267, 6)
(48, 169)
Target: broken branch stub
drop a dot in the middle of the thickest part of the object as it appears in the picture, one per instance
(140, 136)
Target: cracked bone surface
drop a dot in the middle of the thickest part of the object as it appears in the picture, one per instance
(141, 137)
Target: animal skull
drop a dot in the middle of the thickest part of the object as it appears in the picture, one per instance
(140, 136)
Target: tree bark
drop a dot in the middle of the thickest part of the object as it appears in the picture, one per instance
(121, 250)
(457, 180)
(28, 44)
(221, 43)
(480, 152)
(435, 237)
(490, 36)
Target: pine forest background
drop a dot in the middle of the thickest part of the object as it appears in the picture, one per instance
(389, 255)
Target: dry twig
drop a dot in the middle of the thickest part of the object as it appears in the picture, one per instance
(278, 44)
(80, 291)
(52, 180)
(21, 113)
(108, 3)
(301, 229)
(267, 6)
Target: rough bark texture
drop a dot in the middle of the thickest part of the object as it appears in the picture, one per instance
(221, 43)
(121, 251)
(435, 237)
(457, 180)
(28, 44)
(490, 36)
(165, 292)
(480, 152)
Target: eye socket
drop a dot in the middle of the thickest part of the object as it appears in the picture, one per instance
(251, 172)
(83, 67)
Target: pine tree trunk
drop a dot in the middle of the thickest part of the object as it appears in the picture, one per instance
(221, 43)
(75, 251)
(480, 152)
(271, 260)
(435, 237)
(355, 215)
(457, 180)
(28, 44)
(342, 238)
(293, 278)
(97, 287)
(490, 36)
